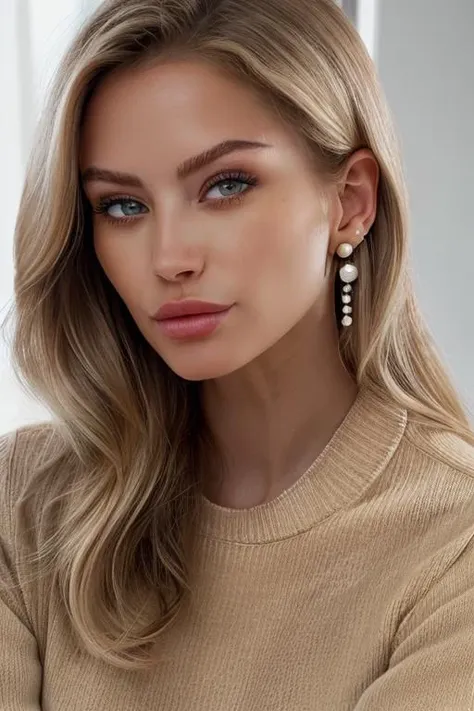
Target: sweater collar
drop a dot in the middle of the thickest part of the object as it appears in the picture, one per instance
(355, 456)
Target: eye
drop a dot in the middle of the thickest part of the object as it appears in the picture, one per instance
(119, 209)
(228, 185)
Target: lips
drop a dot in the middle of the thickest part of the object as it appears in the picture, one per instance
(190, 320)
(178, 309)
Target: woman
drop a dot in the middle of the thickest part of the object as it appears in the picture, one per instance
(262, 501)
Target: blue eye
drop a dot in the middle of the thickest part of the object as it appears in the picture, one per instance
(227, 183)
(228, 187)
(129, 206)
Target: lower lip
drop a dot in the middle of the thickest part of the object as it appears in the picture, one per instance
(196, 326)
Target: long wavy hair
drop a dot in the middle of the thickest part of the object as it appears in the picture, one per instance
(133, 432)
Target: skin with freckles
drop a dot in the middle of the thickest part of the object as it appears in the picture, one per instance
(257, 229)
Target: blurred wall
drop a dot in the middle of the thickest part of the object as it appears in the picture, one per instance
(425, 56)
(33, 35)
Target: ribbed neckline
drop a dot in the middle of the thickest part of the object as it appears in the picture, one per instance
(356, 454)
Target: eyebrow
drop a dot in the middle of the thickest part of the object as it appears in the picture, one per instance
(191, 165)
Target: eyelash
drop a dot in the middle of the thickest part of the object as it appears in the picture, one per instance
(239, 176)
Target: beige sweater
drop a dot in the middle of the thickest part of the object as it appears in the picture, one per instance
(352, 591)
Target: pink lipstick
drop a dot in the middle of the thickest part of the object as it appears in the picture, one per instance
(191, 318)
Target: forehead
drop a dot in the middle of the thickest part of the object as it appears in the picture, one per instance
(170, 110)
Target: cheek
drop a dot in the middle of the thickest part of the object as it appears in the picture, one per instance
(121, 267)
(307, 261)
(286, 253)
(282, 277)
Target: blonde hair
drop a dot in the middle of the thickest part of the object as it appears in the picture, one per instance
(132, 429)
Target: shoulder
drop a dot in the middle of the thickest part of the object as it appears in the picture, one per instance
(442, 448)
(22, 453)
(23, 449)
(433, 476)
(25, 491)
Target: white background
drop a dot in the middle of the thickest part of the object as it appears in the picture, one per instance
(425, 54)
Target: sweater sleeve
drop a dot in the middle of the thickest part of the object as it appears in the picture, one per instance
(432, 661)
(20, 668)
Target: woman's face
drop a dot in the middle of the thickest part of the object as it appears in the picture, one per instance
(248, 230)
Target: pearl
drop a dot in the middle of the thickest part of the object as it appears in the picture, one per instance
(347, 288)
(347, 309)
(346, 299)
(346, 321)
(348, 272)
(345, 250)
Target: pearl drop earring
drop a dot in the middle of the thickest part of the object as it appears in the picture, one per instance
(348, 273)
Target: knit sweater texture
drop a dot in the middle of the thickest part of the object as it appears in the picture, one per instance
(353, 590)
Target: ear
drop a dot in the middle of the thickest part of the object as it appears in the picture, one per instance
(354, 205)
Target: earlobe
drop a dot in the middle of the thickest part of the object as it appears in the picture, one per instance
(360, 234)
(340, 243)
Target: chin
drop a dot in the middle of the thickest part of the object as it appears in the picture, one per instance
(205, 369)
(205, 365)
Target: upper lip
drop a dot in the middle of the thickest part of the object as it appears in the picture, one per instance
(174, 309)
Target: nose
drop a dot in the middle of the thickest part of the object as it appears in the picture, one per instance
(175, 258)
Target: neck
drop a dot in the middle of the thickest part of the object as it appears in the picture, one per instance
(271, 419)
